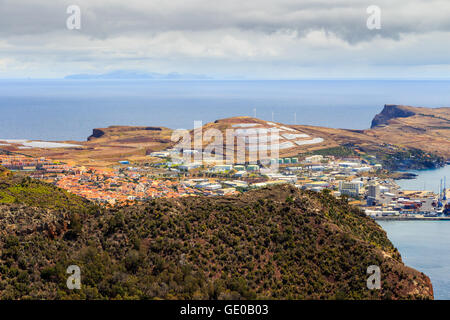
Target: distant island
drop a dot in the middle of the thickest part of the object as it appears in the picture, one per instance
(136, 75)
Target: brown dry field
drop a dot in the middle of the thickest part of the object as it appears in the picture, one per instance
(426, 129)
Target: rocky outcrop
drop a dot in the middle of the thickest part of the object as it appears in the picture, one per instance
(96, 133)
(390, 112)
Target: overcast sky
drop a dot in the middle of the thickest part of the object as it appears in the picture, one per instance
(277, 39)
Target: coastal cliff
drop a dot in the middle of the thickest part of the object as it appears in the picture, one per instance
(414, 128)
(96, 133)
(390, 112)
(119, 130)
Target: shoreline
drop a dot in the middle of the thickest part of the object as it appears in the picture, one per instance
(411, 218)
(424, 176)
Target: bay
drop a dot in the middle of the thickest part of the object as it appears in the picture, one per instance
(426, 179)
(424, 246)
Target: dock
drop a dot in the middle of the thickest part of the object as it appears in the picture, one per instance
(412, 218)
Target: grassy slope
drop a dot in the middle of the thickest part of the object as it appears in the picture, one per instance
(16, 189)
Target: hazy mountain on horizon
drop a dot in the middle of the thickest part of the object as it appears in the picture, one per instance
(133, 75)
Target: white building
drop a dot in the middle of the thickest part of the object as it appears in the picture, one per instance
(160, 154)
(314, 159)
(221, 168)
(189, 166)
(351, 189)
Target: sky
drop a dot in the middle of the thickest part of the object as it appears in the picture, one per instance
(253, 39)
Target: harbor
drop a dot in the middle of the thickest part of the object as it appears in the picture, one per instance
(423, 198)
(412, 218)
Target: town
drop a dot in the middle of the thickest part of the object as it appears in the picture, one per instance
(359, 178)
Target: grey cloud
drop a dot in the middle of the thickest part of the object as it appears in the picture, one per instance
(259, 37)
(105, 19)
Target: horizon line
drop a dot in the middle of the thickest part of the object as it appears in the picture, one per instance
(228, 79)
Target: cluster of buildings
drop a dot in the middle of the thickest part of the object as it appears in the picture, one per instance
(404, 204)
(315, 172)
(116, 187)
(18, 162)
(353, 177)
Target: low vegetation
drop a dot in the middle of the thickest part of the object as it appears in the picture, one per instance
(339, 151)
(34, 193)
(274, 243)
(410, 159)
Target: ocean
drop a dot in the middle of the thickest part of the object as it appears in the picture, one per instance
(426, 179)
(70, 109)
(424, 246)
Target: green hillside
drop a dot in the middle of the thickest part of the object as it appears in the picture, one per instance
(274, 243)
(33, 193)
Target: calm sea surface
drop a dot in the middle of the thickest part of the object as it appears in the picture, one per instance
(425, 246)
(70, 109)
(426, 179)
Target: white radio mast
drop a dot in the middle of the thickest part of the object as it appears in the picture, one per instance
(272, 116)
(295, 117)
(254, 112)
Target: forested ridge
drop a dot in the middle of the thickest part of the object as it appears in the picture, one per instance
(272, 243)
